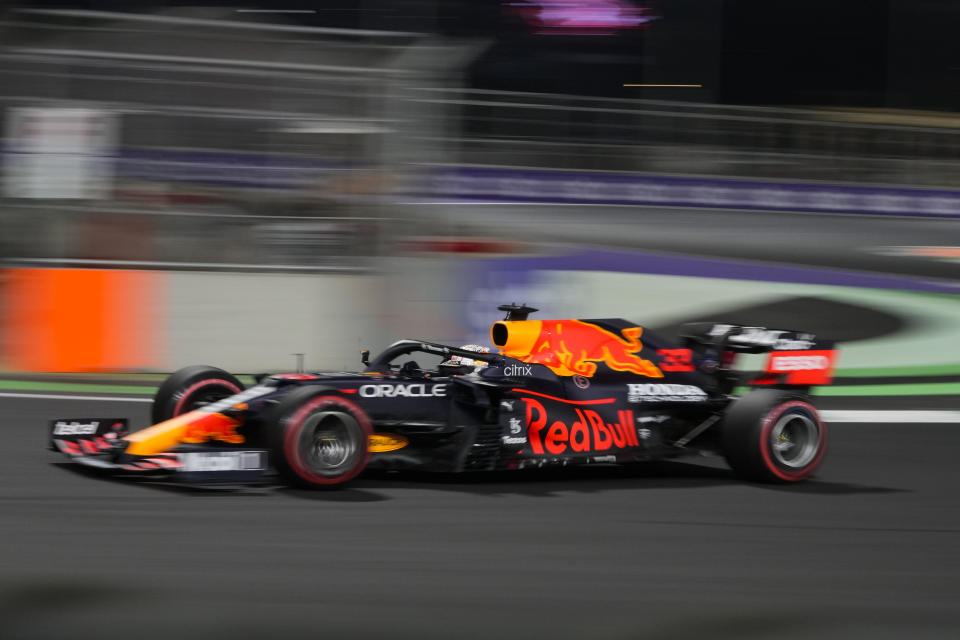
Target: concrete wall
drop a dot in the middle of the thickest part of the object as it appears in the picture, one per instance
(90, 320)
(113, 320)
(254, 322)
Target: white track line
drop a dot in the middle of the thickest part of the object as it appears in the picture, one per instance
(891, 417)
(45, 396)
(657, 205)
(829, 415)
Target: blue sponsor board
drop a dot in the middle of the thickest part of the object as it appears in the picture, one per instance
(512, 185)
(516, 271)
(472, 184)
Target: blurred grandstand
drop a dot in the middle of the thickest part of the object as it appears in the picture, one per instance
(224, 128)
(279, 145)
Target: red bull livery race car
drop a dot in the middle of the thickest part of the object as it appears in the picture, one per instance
(555, 392)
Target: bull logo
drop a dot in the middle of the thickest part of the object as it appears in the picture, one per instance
(574, 347)
(215, 426)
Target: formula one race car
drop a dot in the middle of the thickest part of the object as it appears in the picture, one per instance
(557, 392)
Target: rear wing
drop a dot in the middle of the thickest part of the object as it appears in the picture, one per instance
(798, 368)
(796, 358)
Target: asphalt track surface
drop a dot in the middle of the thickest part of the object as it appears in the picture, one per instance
(680, 550)
(671, 551)
(838, 241)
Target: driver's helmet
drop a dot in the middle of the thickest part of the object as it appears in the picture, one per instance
(462, 361)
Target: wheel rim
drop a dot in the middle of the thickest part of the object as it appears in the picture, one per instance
(328, 442)
(794, 440)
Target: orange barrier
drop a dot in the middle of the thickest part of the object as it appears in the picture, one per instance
(79, 319)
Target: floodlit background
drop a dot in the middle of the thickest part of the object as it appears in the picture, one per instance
(238, 183)
(235, 183)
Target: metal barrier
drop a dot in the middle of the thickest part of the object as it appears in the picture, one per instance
(237, 143)
(271, 146)
(574, 132)
(204, 237)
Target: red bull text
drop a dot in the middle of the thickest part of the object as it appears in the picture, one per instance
(588, 433)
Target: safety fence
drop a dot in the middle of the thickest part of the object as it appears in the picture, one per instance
(230, 144)
(193, 139)
(515, 129)
(300, 236)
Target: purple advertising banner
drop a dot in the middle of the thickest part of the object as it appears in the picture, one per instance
(475, 184)
(470, 184)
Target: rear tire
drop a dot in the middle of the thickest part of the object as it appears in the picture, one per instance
(775, 436)
(319, 439)
(190, 388)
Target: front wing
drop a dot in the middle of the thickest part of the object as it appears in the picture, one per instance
(103, 448)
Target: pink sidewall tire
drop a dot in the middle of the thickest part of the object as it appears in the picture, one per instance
(319, 439)
(190, 388)
(774, 436)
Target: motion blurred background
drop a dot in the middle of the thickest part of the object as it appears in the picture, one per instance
(238, 182)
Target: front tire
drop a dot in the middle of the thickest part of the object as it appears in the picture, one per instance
(773, 436)
(190, 388)
(319, 439)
